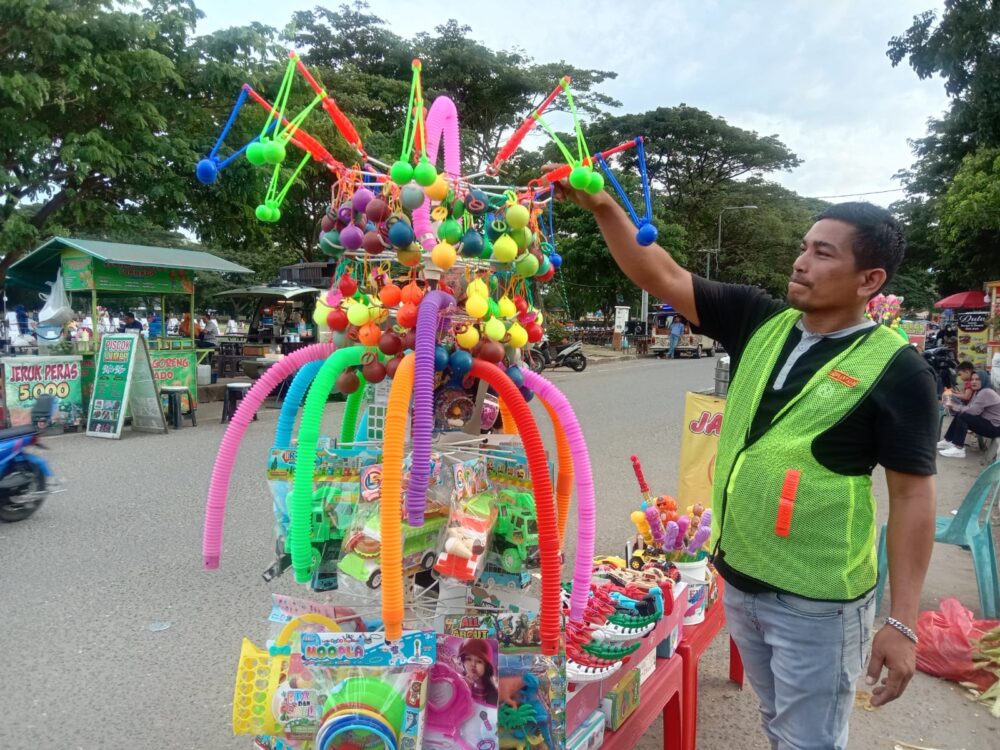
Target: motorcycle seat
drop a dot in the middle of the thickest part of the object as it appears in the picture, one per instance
(16, 432)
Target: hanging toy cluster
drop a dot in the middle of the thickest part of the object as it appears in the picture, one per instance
(432, 294)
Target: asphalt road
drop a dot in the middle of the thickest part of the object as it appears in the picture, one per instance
(91, 580)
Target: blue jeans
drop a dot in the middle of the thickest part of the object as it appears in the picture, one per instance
(803, 658)
(674, 338)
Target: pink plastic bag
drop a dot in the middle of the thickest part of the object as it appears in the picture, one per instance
(945, 643)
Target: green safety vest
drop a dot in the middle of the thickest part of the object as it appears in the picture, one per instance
(779, 515)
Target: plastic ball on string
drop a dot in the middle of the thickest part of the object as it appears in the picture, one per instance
(372, 370)
(443, 255)
(409, 256)
(347, 285)
(348, 382)
(440, 357)
(522, 237)
(406, 315)
(425, 175)
(438, 189)
(467, 337)
(450, 231)
(506, 307)
(337, 320)
(361, 198)
(526, 266)
(517, 336)
(556, 259)
(369, 334)
(492, 351)
(646, 235)
(579, 177)
(255, 153)
(329, 221)
(518, 216)
(351, 237)
(358, 314)
(412, 293)
(390, 295)
(390, 344)
(495, 329)
(472, 244)
(495, 229)
(206, 171)
(268, 212)
(460, 362)
(401, 172)
(479, 287)
(476, 202)
(477, 306)
(377, 210)
(412, 197)
(329, 243)
(595, 184)
(535, 333)
(516, 376)
(372, 243)
(274, 151)
(400, 234)
(504, 249)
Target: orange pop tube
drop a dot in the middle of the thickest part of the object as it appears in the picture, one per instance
(509, 428)
(391, 509)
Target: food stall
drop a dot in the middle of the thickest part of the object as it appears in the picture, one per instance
(91, 271)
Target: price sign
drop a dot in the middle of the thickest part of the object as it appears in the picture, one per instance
(123, 378)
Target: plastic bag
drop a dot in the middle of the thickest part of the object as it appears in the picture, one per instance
(57, 310)
(945, 643)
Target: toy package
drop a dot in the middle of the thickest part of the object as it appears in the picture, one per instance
(532, 702)
(470, 522)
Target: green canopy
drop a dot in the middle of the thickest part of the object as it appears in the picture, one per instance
(40, 265)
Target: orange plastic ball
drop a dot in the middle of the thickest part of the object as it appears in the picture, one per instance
(369, 334)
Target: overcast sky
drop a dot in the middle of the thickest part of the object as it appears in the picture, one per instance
(816, 75)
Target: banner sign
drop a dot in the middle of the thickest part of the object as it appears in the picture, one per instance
(699, 442)
(80, 272)
(27, 378)
(124, 378)
(972, 337)
(176, 368)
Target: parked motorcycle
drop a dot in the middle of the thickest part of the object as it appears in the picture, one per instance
(25, 478)
(942, 361)
(566, 355)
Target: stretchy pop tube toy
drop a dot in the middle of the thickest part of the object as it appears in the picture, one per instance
(423, 403)
(394, 437)
(509, 428)
(442, 123)
(350, 422)
(300, 501)
(294, 396)
(586, 504)
(215, 506)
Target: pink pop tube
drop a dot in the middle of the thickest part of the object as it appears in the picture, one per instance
(442, 122)
(423, 404)
(586, 508)
(215, 506)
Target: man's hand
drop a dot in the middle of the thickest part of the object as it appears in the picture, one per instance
(565, 191)
(898, 654)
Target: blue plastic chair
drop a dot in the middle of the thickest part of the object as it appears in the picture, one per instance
(970, 529)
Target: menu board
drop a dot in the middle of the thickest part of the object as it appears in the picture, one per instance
(123, 380)
(972, 337)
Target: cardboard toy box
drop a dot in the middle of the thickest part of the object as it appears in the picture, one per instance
(621, 700)
(674, 623)
(589, 735)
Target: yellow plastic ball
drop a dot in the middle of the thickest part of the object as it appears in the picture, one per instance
(478, 286)
(379, 314)
(507, 307)
(468, 338)
(320, 314)
(437, 190)
(477, 306)
(495, 329)
(443, 255)
(504, 249)
(357, 314)
(540, 319)
(517, 217)
(518, 336)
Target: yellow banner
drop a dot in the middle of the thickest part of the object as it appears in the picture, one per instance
(702, 425)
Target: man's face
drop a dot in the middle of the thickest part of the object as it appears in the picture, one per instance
(824, 276)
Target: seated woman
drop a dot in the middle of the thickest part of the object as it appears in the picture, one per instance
(981, 415)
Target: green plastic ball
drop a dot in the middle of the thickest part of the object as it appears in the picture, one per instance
(274, 214)
(522, 237)
(262, 213)
(596, 183)
(456, 207)
(518, 217)
(526, 266)
(579, 178)
(544, 267)
(424, 173)
(494, 308)
(255, 153)
(487, 252)
(274, 152)
(401, 172)
(450, 231)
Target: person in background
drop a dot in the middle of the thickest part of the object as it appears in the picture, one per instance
(981, 415)
(232, 327)
(25, 327)
(964, 372)
(155, 326)
(104, 321)
(676, 331)
(130, 324)
(209, 333)
(184, 327)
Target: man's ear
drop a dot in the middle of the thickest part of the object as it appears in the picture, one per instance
(872, 281)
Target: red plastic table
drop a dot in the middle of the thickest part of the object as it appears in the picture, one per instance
(661, 694)
(696, 639)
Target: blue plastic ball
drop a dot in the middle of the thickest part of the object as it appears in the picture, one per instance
(646, 235)
(400, 234)
(460, 362)
(527, 393)
(555, 259)
(440, 358)
(472, 244)
(516, 376)
(206, 171)
(476, 202)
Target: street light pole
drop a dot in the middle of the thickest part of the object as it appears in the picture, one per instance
(718, 242)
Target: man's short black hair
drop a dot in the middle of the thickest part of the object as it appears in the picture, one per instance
(130, 315)
(878, 238)
(965, 367)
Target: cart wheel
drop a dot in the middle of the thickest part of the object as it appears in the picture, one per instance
(697, 352)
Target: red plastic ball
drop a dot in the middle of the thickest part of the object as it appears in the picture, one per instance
(374, 372)
(535, 333)
(492, 351)
(347, 285)
(369, 334)
(410, 340)
(390, 344)
(547, 276)
(348, 382)
(377, 210)
(392, 365)
(390, 295)
(407, 315)
(336, 319)
(521, 304)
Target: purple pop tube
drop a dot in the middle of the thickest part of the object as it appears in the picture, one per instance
(706, 519)
(655, 524)
(670, 536)
(682, 529)
(586, 508)
(699, 538)
(423, 404)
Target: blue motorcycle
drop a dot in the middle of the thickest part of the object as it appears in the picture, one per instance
(25, 478)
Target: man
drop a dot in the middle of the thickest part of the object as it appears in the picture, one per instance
(130, 324)
(676, 331)
(209, 331)
(819, 394)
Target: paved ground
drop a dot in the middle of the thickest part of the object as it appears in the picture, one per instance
(116, 638)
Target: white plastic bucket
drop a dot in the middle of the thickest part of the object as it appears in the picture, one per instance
(695, 575)
(204, 374)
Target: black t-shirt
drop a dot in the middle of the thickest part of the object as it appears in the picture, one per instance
(895, 425)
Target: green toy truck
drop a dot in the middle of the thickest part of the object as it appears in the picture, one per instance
(515, 535)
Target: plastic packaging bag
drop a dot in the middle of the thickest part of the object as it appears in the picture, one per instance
(57, 310)
(945, 643)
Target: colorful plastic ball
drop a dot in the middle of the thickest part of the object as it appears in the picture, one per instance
(406, 315)
(506, 307)
(329, 243)
(357, 314)
(372, 243)
(460, 362)
(527, 393)
(401, 172)
(468, 337)
(440, 357)
(206, 171)
(521, 304)
(495, 329)
(517, 216)
(351, 237)
(476, 202)
(348, 382)
(347, 285)
(516, 376)
(579, 178)
(437, 190)
(377, 210)
(412, 197)
(547, 276)
(504, 249)
(646, 235)
(487, 251)
(255, 153)
(390, 344)
(555, 259)
(539, 318)
(543, 266)
(443, 255)
(379, 314)
(345, 214)
(374, 371)
(535, 333)
(596, 183)
(267, 213)
(410, 340)
(412, 293)
(450, 231)
(456, 207)
(337, 319)
(526, 266)
(400, 234)
(274, 152)
(518, 337)
(477, 306)
(390, 295)
(329, 222)
(477, 286)
(391, 366)
(424, 174)
(320, 314)
(492, 351)
(472, 244)
(362, 197)
(494, 308)
(369, 334)
(495, 229)
(409, 256)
